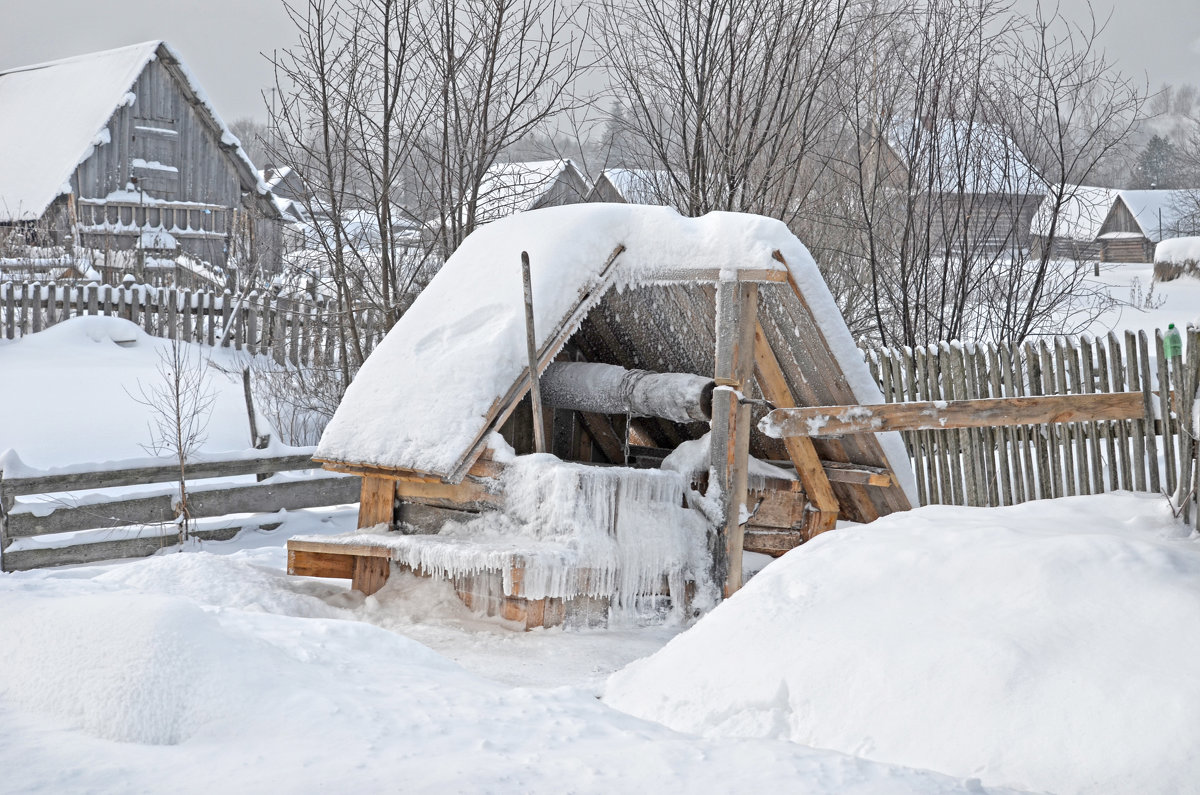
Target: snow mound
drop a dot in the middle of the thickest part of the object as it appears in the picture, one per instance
(1042, 646)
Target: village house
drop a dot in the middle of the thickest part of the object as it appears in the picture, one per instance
(1112, 225)
(113, 160)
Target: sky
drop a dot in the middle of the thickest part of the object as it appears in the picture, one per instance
(221, 41)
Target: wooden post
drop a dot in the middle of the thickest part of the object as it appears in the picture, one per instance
(773, 385)
(737, 314)
(535, 390)
(377, 503)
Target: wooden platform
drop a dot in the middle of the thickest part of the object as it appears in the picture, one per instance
(368, 568)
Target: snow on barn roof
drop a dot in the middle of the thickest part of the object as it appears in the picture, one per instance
(638, 185)
(509, 188)
(429, 393)
(1082, 213)
(971, 157)
(53, 115)
(1159, 213)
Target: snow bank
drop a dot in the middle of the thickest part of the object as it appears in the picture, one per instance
(184, 672)
(1045, 646)
(1175, 257)
(80, 382)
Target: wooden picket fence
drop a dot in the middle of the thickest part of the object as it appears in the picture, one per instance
(1007, 465)
(123, 527)
(260, 322)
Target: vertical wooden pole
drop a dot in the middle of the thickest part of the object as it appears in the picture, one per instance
(736, 316)
(535, 388)
(377, 502)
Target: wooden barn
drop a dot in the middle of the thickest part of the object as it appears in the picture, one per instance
(114, 156)
(1139, 219)
(659, 341)
(509, 188)
(630, 186)
(982, 190)
(1076, 231)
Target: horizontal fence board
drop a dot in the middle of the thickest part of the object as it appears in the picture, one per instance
(140, 476)
(141, 547)
(824, 421)
(286, 496)
(69, 519)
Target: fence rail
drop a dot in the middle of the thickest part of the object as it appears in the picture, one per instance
(1154, 452)
(122, 527)
(284, 328)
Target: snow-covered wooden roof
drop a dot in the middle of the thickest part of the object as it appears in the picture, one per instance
(968, 157)
(456, 363)
(1159, 213)
(1082, 213)
(509, 188)
(53, 115)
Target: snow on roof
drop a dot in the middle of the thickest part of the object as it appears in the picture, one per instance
(53, 115)
(638, 185)
(971, 157)
(509, 188)
(1081, 215)
(1158, 212)
(424, 396)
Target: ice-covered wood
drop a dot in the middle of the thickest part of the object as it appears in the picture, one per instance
(609, 389)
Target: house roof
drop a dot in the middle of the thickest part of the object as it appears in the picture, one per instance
(509, 188)
(1082, 213)
(456, 363)
(968, 157)
(637, 185)
(53, 115)
(1159, 213)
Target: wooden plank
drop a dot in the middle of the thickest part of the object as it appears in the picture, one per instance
(370, 573)
(136, 476)
(1053, 444)
(1164, 404)
(1155, 484)
(820, 421)
(1109, 428)
(919, 448)
(809, 468)
(773, 541)
(1018, 436)
(119, 513)
(333, 548)
(467, 493)
(377, 504)
(305, 563)
(838, 472)
(1082, 373)
(1080, 429)
(1003, 437)
(1117, 373)
(717, 275)
(958, 485)
(1133, 384)
(736, 324)
(26, 559)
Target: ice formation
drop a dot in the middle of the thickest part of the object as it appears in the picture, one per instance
(572, 530)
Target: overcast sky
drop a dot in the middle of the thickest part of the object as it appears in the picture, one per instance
(221, 40)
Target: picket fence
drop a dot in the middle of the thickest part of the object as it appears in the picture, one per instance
(1009, 465)
(264, 323)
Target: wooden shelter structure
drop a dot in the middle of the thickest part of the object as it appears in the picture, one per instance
(729, 308)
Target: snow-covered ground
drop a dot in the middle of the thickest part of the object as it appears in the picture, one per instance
(1142, 303)
(1044, 647)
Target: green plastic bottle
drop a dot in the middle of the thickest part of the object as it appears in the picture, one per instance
(1172, 343)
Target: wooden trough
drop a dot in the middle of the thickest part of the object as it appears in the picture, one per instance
(747, 329)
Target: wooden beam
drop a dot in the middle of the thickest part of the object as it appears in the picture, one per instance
(863, 475)
(377, 503)
(822, 421)
(737, 310)
(715, 275)
(320, 564)
(809, 467)
(370, 573)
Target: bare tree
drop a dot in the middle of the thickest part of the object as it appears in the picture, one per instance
(180, 403)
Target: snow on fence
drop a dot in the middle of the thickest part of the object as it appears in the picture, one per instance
(44, 521)
(262, 323)
(1156, 452)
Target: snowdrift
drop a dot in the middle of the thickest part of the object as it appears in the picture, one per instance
(1047, 646)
